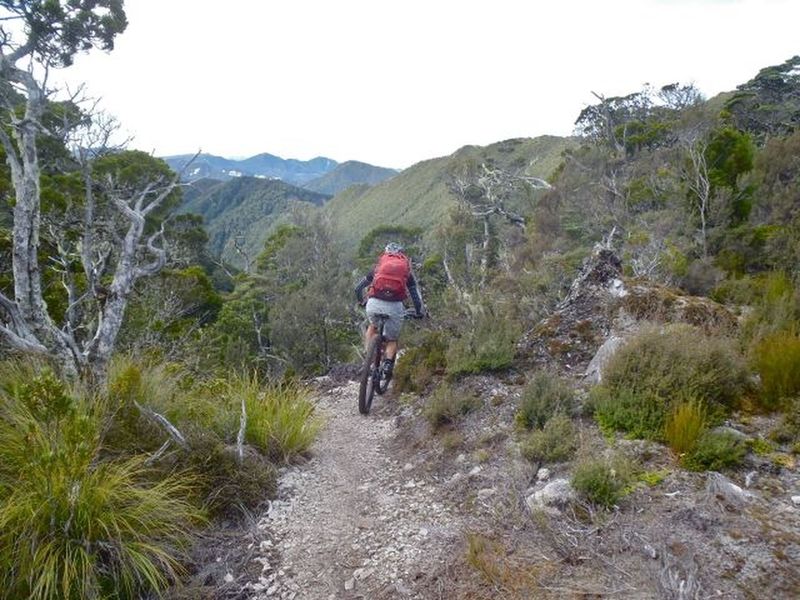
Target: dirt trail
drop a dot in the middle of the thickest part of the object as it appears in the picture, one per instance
(353, 522)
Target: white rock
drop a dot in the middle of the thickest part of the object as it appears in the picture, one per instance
(556, 494)
(543, 474)
(408, 467)
(349, 584)
(486, 493)
(423, 532)
(228, 578)
(475, 470)
(796, 500)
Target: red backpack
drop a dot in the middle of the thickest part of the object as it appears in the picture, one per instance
(389, 279)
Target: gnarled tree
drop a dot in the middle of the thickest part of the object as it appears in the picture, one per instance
(101, 238)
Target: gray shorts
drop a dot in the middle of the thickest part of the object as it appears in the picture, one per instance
(395, 311)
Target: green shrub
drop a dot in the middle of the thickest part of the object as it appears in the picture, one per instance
(420, 363)
(714, 451)
(602, 482)
(658, 368)
(680, 359)
(776, 358)
(73, 525)
(544, 397)
(640, 415)
(788, 430)
(489, 346)
(446, 405)
(684, 426)
(556, 442)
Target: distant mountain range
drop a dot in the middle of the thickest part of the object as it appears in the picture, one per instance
(320, 174)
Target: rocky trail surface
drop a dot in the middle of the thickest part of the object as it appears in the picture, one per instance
(353, 522)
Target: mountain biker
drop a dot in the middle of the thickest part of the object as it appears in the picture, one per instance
(390, 282)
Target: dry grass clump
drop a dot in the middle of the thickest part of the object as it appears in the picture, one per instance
(684, 426)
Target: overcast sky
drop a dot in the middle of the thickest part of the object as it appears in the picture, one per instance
(392, 83)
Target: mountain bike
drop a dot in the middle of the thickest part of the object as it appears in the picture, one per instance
(373, 377)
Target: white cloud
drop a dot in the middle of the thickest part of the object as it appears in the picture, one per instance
(391, 83)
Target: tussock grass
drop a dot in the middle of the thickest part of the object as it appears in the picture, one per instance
(684, 426)
(280, 418)
(776, 358)
(73, 525)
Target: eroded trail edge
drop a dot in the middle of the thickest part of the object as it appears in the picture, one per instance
(353, 521)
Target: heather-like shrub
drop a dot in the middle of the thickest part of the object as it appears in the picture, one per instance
(420, 363)
(544, 397)
(658, 369)
(602, 482)
(715, 451)
(555, 442)
(488, 346)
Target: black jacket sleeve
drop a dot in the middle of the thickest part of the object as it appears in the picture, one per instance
(413, 291)
(365, 281)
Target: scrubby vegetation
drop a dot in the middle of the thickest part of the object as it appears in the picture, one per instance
(660, 369)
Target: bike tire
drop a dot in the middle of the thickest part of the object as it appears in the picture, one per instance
(366, 390)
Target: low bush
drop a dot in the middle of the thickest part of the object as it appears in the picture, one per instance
(658, 368)
(788, 429)
(447, 405)
(556, 442)
(776, 358)
(72, 524)
(684, 426)
(420, 363)
(488, 346)
(544, 397)
(602, 482)
(715, 451)
(641, 415)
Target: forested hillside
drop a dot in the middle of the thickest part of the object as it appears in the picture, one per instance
(612, 363)
(239, 214)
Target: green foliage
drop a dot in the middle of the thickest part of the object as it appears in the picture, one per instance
(423, 359)
(59, 30)
(715, 451)
(788, 430)
(640, 414)
(487, 346)
(679, 361)
(684, 426)
(555, 442)
(545, 396)
(72, 524)
(447, 405)
(776, 358)
(602, 482)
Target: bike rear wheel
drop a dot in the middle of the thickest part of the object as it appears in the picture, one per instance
(372, 362)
